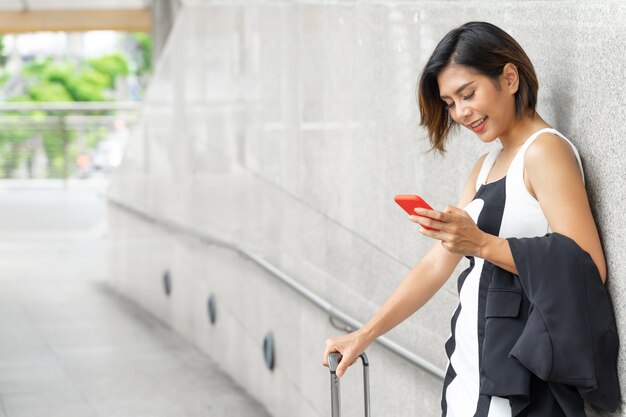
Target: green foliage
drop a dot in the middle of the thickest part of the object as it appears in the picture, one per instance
(19, 99)
(4, 76)
(83, 89)
(3, 57)
(49, 91)
(144, 41)
(59, 80)
(113, 65)
(66, 81)
(95, 78)
(56, 145)
(36, 67)
(11, 145)
(89, 85)
(48, 80)
(56, 72)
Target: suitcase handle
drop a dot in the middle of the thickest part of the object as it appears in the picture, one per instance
(335, 401)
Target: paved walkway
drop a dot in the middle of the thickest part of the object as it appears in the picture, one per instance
(69, 345)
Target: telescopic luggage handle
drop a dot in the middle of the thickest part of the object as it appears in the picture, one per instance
(335, 401)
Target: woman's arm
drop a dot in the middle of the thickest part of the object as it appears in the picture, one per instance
(459, 234)
(416, 288)
(424, 280)
(556, 181)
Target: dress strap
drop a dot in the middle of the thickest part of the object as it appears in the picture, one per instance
(531, 139)
(520, 153)
(490, 159)
(517, 165)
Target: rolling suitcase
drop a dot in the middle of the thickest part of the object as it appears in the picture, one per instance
(335, 400)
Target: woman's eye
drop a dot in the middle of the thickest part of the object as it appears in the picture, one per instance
(469, 95)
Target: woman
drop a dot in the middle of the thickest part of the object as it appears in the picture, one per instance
(479, 78)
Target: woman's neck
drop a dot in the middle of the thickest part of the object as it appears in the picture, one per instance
(522, 129)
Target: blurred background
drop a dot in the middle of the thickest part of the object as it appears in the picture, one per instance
(195, 194)
(70, 92)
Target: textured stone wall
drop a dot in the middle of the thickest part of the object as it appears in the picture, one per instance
(287, 128)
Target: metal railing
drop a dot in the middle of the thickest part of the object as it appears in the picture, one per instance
(63, 140)
(333, 312)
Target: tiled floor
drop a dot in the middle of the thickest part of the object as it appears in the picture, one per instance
(69, 345)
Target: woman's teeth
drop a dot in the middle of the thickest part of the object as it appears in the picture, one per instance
(479, 122)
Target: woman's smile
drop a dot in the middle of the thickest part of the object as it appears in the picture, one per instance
(478, 125)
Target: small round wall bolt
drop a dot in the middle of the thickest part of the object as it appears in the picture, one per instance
(211, 309)
(167, 283)
(268, 351)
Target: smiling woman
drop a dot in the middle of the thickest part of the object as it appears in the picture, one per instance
(531, 187)
(484, 50)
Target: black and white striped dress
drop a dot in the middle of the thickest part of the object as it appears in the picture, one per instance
(502, 208)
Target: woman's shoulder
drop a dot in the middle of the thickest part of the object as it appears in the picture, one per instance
(551, 150)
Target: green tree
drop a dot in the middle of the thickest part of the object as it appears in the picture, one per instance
(49, 80)
(144, 42)
(3, 57)
(67, 81)
(112, 65)
(4, 74)
(49, 91)
(11, 145)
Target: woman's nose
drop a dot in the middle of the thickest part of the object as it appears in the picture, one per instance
(462, 113)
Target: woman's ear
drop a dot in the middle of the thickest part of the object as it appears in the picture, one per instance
(511, 78)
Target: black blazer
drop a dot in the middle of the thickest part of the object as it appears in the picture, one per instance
(554, 320)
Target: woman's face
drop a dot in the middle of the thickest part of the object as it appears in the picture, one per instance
(474, 102)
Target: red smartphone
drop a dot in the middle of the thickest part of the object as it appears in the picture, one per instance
(409, 202)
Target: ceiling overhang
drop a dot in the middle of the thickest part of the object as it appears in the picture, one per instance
(19, 16)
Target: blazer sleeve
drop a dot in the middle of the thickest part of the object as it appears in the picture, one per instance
(569, 319)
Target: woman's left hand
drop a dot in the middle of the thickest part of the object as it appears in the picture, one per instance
(457, 231)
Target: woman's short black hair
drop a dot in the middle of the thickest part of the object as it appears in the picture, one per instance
(484, 48)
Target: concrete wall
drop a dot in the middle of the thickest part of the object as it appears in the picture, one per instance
(163, 14)
(287, 128)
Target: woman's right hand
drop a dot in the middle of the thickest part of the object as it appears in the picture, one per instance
(350, 346)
